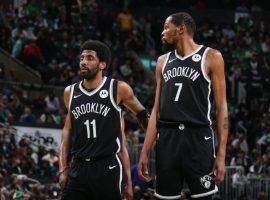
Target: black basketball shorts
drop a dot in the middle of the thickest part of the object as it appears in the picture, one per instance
(184, 153)
(95, 180)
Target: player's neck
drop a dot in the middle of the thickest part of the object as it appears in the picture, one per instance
(186, 46)
(92, 84)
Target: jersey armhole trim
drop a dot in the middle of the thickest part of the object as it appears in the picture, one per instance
(111, 97)
(203, 65)
(71, 95)
(165, 61)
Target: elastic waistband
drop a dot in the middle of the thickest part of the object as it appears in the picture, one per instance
(179, 125)
(91, 159)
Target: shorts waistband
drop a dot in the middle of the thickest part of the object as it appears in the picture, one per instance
(91, 159)
(179, 125)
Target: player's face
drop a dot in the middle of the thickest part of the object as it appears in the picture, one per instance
(89, 65)
(168, 35)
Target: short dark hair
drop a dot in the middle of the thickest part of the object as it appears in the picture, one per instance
(183, 18)
(102, 50)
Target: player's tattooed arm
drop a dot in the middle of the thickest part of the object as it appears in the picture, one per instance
(126, 97)
(64, 153)
(226, 123)
(214, 64)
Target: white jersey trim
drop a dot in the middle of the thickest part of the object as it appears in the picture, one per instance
(71, 95)
(206, 194)
(112, 99)
(119, 144)
(203, 65)
(167, 197)
(185, 57)
(165, 61)
(209, 84)
(213, 140)
(95, 90)
(121, 175)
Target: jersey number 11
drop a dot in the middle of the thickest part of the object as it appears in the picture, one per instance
(93, 123)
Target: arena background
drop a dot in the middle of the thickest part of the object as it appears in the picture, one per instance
(39, 46)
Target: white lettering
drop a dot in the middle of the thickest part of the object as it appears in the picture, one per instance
(83, 109)
(78, 111)
(88, 107)
(93, 107)
(105, 111)
(74, 114)
(181, 71)
(195, 76)
(165, 77)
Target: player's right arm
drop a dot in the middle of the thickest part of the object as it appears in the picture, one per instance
(151, 133)
(64, 147)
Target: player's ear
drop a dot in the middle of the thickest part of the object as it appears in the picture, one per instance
(102, 65)
(180, 29)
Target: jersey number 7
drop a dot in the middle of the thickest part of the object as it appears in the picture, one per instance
(179, 85)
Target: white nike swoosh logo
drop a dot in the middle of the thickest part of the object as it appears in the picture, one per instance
(111, 167)
(206, 138)
(77, 96)
(172, 60)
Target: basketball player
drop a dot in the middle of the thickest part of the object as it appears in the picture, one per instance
(94, 117)
(180, 121)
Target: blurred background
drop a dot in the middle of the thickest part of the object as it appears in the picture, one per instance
(39, 56)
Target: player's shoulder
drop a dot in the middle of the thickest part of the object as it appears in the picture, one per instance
(70, 87)
(214, 59)
(162, 57)
(161, 61)
(213, 53)
(67, 89)
(122, 85)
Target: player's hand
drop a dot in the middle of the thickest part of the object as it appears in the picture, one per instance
(63, 179)
(218, 171)
(128, 192)
(143, 168)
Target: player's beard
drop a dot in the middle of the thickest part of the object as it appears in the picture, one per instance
(167, 47)
(90, 74)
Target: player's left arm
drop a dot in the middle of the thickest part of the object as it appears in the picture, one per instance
(126, 97)
(215, 63)
(128, 192)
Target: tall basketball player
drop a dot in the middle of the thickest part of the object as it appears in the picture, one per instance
(92, 130)
(180, 121)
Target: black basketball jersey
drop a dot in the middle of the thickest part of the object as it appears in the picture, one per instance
(95, 120)
(185, 92)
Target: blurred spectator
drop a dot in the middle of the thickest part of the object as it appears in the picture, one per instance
(46, 117)
(260, 167)
(239, 181)
(241, 159)
(240, 144)
(52, 102)
(32, 54)
(27, 116)
(51, 158)
(125, 20)
(17, 47)
(33, 7)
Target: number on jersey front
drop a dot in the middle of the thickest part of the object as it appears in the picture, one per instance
(179, 85)
(92, 129)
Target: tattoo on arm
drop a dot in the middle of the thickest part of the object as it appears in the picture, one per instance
(226, 123)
